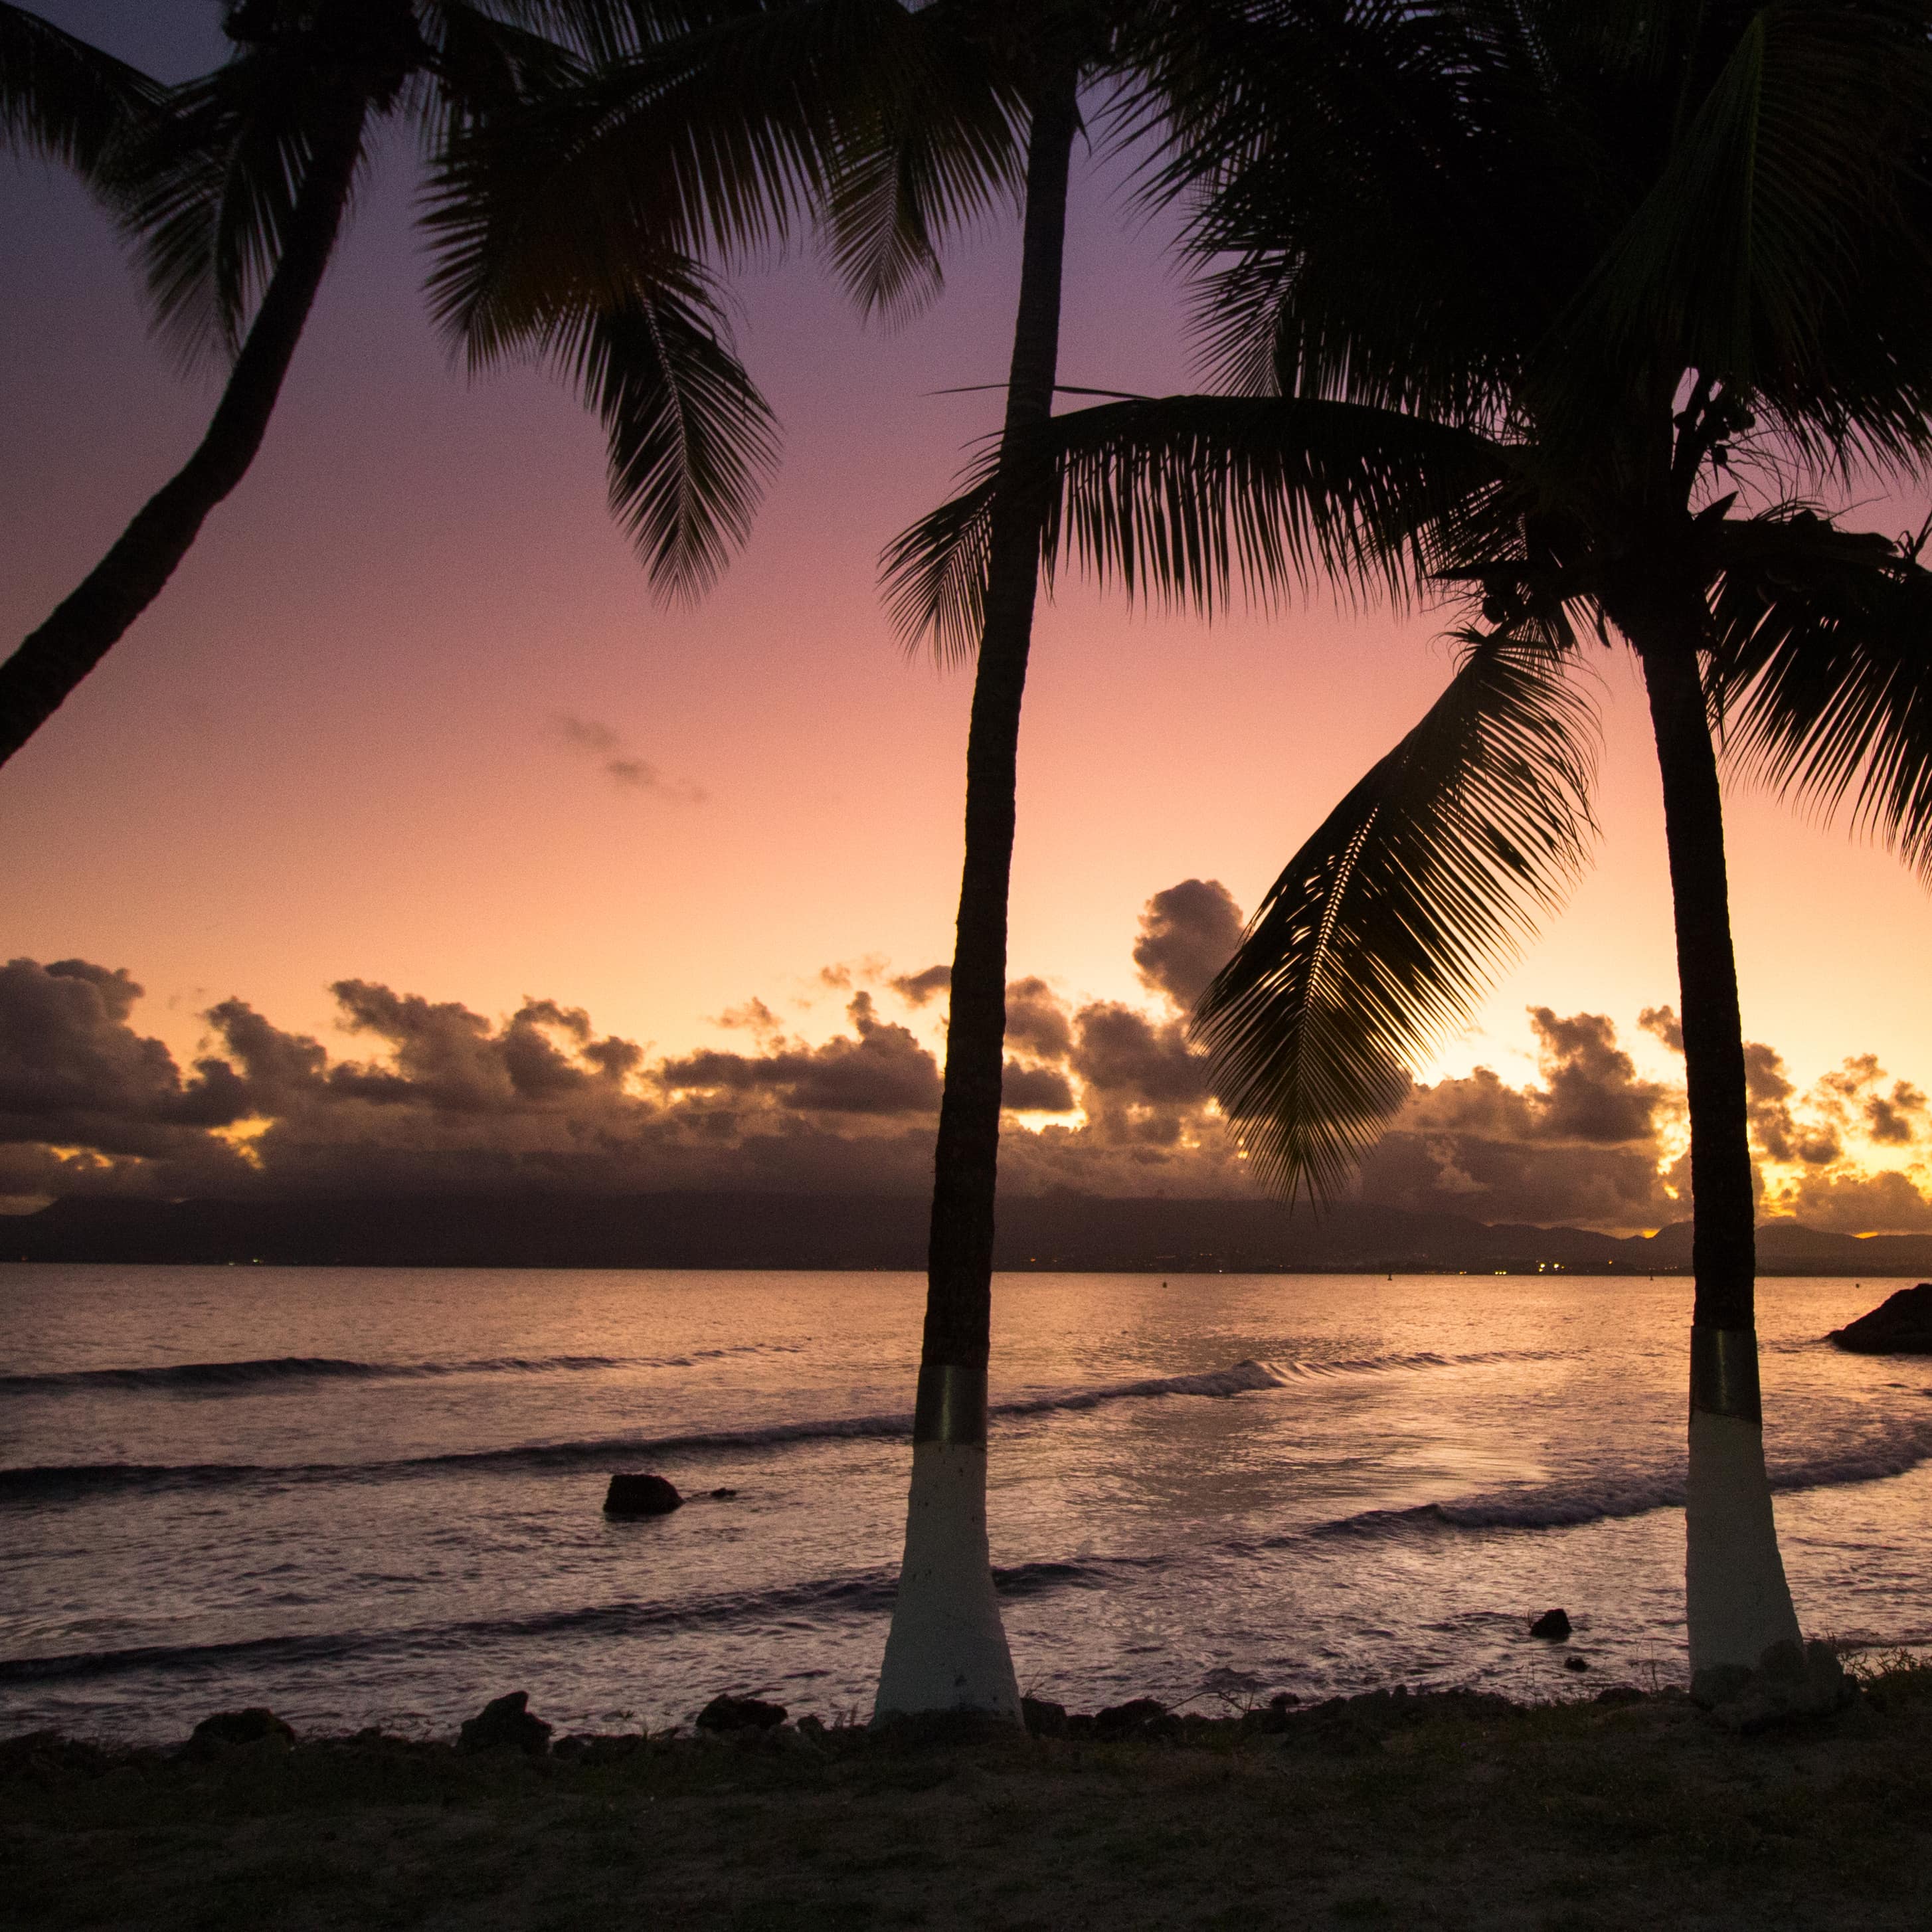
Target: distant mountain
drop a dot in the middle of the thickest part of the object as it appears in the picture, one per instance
(784, 1231)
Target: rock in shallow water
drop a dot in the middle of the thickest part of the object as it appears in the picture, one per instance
(637, 1492)
(1901, 1325)
(1554, 1624)
(505, 1723)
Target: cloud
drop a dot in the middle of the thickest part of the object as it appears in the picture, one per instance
(1188, 933)
(427, 1095)
(1038, 1022)
(1036, 1089)
(623, 767)
(884, 1069)
(1663, 1022)
(916, 989)
(1586, 1145)
(1592, 1092)
(73, 1071)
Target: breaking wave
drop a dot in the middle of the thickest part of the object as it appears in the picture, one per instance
(856, 1592)
(1609, 1498)
(204, 1377)
(66, 1482)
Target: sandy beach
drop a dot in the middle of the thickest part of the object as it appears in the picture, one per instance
(1443, 1810)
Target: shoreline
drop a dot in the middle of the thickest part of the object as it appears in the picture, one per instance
(1458, 1809)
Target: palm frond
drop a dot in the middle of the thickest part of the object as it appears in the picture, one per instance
(1822, 662)
(714, 143)
(61, 97)
(207, 187)
(1782, 193)
(691, 440)
(484, 67)
(932, 136)
(1180, 498)
(1388, 925)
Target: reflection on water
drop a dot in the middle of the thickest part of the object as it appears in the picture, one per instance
(375, 1494)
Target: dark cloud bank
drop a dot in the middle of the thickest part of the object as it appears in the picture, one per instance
(431, 1101)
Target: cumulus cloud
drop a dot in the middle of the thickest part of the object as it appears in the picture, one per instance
(1663, 1022)
(879, 1069)
(73, 1071)
(619, 764)
(1038, 1023)
(916, 989)
(1188, 933)
(1586, 1144)
(421, 1095)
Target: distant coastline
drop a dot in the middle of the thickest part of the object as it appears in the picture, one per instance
(1059, 1233)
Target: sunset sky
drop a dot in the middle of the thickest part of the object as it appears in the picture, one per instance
(409, 715)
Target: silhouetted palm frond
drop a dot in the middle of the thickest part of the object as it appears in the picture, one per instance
(206, 191)
(713, 144)
(1823, 656)
(1180, 498)
(691, 439)
(933, 134)
(1389, 924)
(61, 97)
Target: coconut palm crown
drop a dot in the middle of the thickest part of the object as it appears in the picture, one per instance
(1570, 311)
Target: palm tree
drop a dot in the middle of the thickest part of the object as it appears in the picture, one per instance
(886, 125)
(234, 188)
(1558, 307)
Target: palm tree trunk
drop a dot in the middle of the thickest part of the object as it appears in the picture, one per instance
(947, 1649)
(37, 679)
(1737, 1602)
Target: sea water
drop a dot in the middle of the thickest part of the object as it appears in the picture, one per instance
(374, 1495)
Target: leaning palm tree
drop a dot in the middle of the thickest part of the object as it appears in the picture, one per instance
(234, 188)
(1563, 308)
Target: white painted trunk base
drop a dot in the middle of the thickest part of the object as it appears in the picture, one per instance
(947, 1649)
(1736, 1601)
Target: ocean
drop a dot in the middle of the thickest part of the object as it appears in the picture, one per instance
(373, 1495)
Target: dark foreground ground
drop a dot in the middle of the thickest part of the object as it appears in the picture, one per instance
(1452, 1811)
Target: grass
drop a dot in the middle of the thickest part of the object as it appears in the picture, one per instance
(1423, 1811)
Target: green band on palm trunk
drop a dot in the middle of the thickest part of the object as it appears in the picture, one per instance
(952, 1404)
(1723, 1373)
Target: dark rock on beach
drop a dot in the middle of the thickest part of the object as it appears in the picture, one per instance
(45, 1757)
(1553, 1624)
(226, 1729)
(1789, 1683)
(637, 1492)
(1272, 1717)
(1042, 1717)
(599, 1748)
(505, 1723)
(1901, 1325)
(1141, 1716)
(727, 1713)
